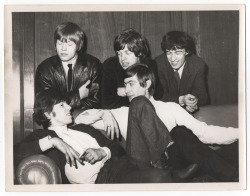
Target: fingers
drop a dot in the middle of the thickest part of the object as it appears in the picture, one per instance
(90, 156)
(87, 83)
(107, 128)
(189, 109)
(116, 130)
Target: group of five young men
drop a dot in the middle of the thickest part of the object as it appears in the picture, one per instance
(164, 143)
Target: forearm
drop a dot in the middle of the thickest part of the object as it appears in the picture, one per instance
(208, 134)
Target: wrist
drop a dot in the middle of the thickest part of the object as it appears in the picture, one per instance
(106, 152)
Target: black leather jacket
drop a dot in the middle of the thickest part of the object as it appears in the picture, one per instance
(50, 74)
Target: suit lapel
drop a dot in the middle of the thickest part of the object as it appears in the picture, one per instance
(184, 78)
(170, 75)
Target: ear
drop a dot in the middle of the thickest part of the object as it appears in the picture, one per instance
(47, 115)
(148, 82)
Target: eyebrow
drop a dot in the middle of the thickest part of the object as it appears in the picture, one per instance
(130, 81)
(175, 50)
(68, 40)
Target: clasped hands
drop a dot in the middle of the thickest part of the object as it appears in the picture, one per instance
(191, 103)
(91, 155)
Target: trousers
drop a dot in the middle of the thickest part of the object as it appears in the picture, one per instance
(189, 149)
(147, 136)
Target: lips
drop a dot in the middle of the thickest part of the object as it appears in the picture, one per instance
(64, 54)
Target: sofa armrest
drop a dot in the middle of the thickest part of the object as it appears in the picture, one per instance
(38, 169)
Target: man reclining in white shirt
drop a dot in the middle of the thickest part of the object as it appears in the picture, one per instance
(139, 85)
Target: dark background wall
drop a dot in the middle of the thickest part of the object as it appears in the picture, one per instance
(216, 34)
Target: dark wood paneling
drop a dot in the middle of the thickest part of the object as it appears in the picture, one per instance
(219, 35)
(155, 24)
(17, 64)
(216, 35)
(28, 71)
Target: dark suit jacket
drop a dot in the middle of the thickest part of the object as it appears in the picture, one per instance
(50, 74)
(193, 80)
(30, 146)
(113, 77)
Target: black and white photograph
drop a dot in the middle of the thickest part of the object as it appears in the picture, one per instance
(124, 97)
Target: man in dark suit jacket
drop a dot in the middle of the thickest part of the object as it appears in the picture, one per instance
(181, 73)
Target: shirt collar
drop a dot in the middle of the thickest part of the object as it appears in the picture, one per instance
(180, 70)
(59, 129)
(65, 64)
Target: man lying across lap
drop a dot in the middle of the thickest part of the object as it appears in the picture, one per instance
(82, 153)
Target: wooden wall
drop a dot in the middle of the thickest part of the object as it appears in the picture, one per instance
(216, 34)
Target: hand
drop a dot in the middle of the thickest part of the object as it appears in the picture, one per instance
(110, 124)
(83, 90)
(121, 92)
(191, 109)
(92, 155)
(70, 154)
(191, 102)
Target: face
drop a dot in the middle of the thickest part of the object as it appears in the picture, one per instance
(61, 114)
(176, 58)
(133, 88)
(127, 58)
(66, 50)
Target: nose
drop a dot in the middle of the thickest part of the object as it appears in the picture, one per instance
(68, 107)
(123, 56)
(64, 46)
(173, 56)
(127, 89)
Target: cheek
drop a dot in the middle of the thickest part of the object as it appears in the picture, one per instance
(120, 59)
(73, 50)
(58, 48)
(133, 60)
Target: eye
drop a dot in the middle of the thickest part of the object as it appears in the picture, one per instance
(59, 42)
(178, 52)
(70, 43)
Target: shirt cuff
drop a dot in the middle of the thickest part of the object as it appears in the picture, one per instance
(108, 152)
(45, 144)
(181, 100)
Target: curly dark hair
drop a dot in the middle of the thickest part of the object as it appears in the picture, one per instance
(44, 102)
(174, 40)
(134, 41)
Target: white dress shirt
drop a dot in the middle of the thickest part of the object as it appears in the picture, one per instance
(172, 115)
(80, 142)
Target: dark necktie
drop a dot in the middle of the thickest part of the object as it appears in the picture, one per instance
(177, 77)
(69, 76)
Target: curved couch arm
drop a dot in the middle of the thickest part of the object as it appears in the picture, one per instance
(38, 169)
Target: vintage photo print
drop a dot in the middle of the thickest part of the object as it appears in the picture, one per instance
(87, 53)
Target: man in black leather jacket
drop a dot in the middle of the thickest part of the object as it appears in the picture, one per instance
(82, 87)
